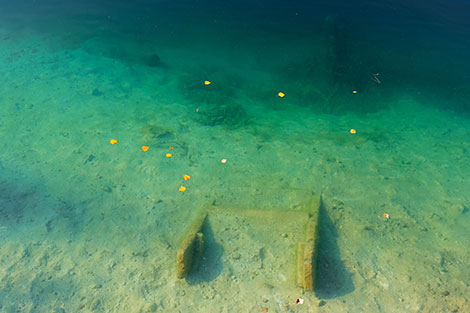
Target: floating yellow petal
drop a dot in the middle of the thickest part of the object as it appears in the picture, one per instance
(113, 141)
(206, 82)
(145, 148)
(182, 188)
(281, 95)
(186, 177)
(168, 155)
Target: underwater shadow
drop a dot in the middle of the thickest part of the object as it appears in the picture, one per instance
(333, 279)
(211, 264)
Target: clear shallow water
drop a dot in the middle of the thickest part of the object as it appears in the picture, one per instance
(90, 226)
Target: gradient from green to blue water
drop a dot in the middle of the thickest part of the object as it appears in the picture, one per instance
(419, 47)
(79, 73)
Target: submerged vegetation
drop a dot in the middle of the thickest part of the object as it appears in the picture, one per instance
(231, 115)
(217, 103)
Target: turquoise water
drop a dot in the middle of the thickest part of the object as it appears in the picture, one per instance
(90, 226)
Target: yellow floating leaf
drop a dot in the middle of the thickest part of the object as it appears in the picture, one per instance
(186, 177)
(182, 188)
(145, 148)
(168, 155)
(113, 141)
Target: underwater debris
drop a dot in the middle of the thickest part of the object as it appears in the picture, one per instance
(297, 301)
(113, 141)
(375, 77)
(153, 61)
(145, 148)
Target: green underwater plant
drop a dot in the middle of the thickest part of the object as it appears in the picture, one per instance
(217, 102)
(230, 115)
